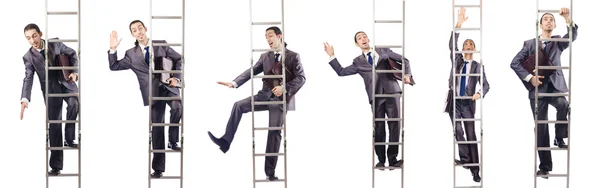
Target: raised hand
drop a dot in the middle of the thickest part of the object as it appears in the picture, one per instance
(328, 49)
(114, 40)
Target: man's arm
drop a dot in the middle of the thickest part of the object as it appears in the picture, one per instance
(294, 86)
(454, 43)
(27, 82)
(397, 57)
(176, 58)
(342, 71)
(516, 64)
(115, 64)
(564, 45)
(486, 85)
(245, 76)
(64, 49)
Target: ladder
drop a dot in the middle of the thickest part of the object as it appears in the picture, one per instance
(374, 96)
(537, 94)
(61, 95)
(179, 98)
(283, 102)
(456, 97)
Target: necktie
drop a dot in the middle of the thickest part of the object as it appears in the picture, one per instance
(463, 80)
(147, 58)
(43, 53)
(370, 58)
(545, 46)
(277, 57)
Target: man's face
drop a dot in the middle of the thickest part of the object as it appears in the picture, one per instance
(468, 45)
(34, 38)
(548, 23)
(273, 39)
(362, 41)
(138, 31)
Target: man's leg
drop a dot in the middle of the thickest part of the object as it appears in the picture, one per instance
(379, 132)
(473, 149)
(392, 110)
(158, 137)
(55, 135)
(543, 136)
(463, 149)
(561, 129)
(239, 108)
(273, 140)
(176, 114)
(72, 113)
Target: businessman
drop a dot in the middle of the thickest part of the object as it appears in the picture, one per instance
(35, 63)
(137, 59)
(266, 64)
(465, 86)
(362, 65)
(554, 83)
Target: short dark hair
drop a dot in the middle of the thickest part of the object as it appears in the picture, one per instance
(466, 40)
(542, 18)
(359, 32)
(133, 22)
(277, 31)
(32, 26)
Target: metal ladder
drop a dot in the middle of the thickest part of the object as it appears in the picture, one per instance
(454, 77)
(283, 102)
(180, 98)
(374, 96)
(537, 94)
(49, 95)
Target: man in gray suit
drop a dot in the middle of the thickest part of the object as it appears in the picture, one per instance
(137, 59)
(362, 65)
(265, 64)
(35, 63)
(555, 83)
(465, 86)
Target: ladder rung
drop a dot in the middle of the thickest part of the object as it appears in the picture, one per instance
(553, 94)
(553, 121)
(468, 6)
(263, 50)
(167, 177)
(388, 21)
(553, 175)
(462, 52)
(266, 180)
(165, 124)
(552, 67)
(463, 97)
(555, 39)
(550, 148)
(467, 142)
(467, 29)
(387, 95)
(167, 17)
(469, 74)
(387, 143)
(268, 128)
(63, 121)
(268, 154)
(269, 76)
(266, 23)
(63, 40)
(167, 71)
(387, 168)
(267, 102)
(65, 175)
(467, 119)
(166, 151)
(166, 44)
(62, 148)
(388, 46)
(468, 164)
(63, 68)
(548, 11)
(467, 187)
(62, 13)
(166, 98)
(388, 119)
(63, 95)
(388, 71)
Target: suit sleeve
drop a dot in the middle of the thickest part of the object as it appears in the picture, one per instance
(115, 64)
(397, 57)
(343, 71)
(64, 49)
(517, 60)
(294, 86)
(564, 45)
(177, 60)
(245, 76)
(454, 43)
(27, 81)
(486, 85)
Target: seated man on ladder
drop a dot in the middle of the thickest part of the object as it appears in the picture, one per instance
(265, 64)
(35, 62)
(138, 60)
(362, 65)
(555, 83)
(465, 108)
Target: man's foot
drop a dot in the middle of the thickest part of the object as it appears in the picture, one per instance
(223, 145)
(272, 178)
(459, 162)
(54, 172)
(397, 164)
(380, 166)
(543, 172)
(560, 143)
(156, 174)
(174, 146)
(476, 177)
(71, 143)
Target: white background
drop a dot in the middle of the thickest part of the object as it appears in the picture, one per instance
(329, 134)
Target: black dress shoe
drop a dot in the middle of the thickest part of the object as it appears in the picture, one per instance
(272, 178)
(542, 172)
(174, 146)
(380, 165)
(458, 162)
(71, 143)
(560, 143)
(397, 164)
(54, 172)
(223, 145)
(156, 174)
(476, 178)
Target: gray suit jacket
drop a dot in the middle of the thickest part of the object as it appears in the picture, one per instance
(472, 81)
(35, 63)
(266, 63)
(384, 84)
(555, 50)
(134, 59)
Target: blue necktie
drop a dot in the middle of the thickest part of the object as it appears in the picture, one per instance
(370, 58)
(147, 56)
(43, 53)
(463, 80)
(277, 57)
(545, 46)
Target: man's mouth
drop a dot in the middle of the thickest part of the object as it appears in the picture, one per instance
(271, 44)
(364, 43)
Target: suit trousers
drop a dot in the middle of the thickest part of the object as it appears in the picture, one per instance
(55, 113)
(561, 130)
(275, 120)
(391, 108)
(158, 132)
(469, 153)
